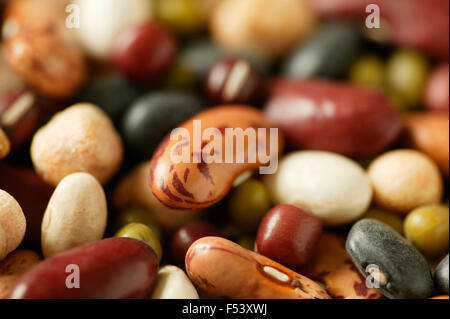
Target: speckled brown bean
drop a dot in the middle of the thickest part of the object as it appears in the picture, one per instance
(222, 269)
(332, 266)
(198, 184)
(429, 133)
(79, 139)
(4, 145)
(12, 224)
(41, 49)
(12, 268)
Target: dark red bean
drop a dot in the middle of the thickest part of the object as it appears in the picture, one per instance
(234, 81)
(419, 24)
(32, 194)
(20, 116)
(288, 235)
(109, 268)
(144, 52)
(186, 235)
(336, 117)
(436, 96)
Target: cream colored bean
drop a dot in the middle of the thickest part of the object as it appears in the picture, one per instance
(76, 214)
(173, 283)
(12, 224)
(79, 139)
(5, 146)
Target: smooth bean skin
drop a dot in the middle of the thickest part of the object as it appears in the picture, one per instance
(143, 52)
(186, 235)
(406, 272)
(12, 224)
(429, 133)
(143, 233)
(13, 267)
(441, 276)
(222, 269)
(198, 185)
(173, 283)
(422, 25)
(341, 118)
(49, 58)
(436, 96)
(111, 268)
(332, 266)
(427, 229)
(152, 116)
(288, 235)
(328, 53)
(411, 170)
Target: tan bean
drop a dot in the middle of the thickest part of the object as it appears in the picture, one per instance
(12, 268)
(172, 283)
(4, 144)
(220, 268)
(76, 214)
(79, 139)
(195, 184)
(12, 224)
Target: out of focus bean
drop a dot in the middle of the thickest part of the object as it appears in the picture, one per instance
(12, 224)
(436, 97)
(5, 145)
(130, 215)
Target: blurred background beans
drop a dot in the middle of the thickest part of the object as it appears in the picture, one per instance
(436, 96)
(130, 215)
(369, 71)
(391, 219)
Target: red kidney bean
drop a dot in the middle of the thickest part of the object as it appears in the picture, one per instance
(436, 97)
(186, 235)
(288, 235)
(418, 24)
(32, 194)
(335, 117)
(233, 80)
(109, 268)
(20, 116)
(144, 51)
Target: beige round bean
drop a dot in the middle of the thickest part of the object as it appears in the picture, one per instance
(12, 224)
(12, 268)
(4, 145)
(173, 283)
(79, 139)
(405, 179)
(76, 214)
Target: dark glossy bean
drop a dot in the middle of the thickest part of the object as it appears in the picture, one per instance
(341, 118)
(186, 235)
(113, 94)
(109, 268)
(144, 52)
(32, 194)
(402, 271)
(441, 276)
(154, 115)
(288, 235)
(436, 97)
(328, 53)
(233, 80)
(20, 116)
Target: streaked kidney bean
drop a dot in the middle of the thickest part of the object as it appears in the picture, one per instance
(76, 214)
(328, 53)
(20, 116)
(335, 117)
(12, 224)
(49, 58)
(109, 268)
(134, 190)
(144, 51)
(436, 97)
(33, 195)
(173, 283)
(222, 269)
(288, 235)
(418, 24)
(186, 235)
(429, 133)
(13, 267)
(380, 252)
(332, 266)
(197, 185)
